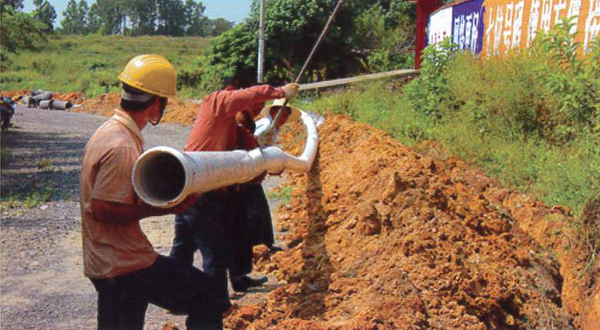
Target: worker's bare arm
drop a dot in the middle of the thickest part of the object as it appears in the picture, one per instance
(124, 213)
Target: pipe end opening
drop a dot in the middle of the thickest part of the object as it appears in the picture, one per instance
(162, 177)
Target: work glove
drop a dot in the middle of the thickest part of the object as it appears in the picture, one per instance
(291, 90)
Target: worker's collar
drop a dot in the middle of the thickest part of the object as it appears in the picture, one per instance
(124, 118)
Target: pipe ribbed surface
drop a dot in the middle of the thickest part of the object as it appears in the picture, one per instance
(61, 105)
(164, 177)
(46, 104)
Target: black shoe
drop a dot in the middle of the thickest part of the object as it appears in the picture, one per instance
(246, 282)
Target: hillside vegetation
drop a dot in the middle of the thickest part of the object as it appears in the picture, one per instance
(91, 63)
(531, 118)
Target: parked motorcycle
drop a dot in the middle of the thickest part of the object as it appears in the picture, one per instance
(7, 107)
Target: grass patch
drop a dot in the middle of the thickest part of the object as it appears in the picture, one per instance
(44, 165)
(92, 63)
(283, 194)
(29, 199)
(39, 197)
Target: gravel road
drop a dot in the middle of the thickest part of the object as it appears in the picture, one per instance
(41, 280)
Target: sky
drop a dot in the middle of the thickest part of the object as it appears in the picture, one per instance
(231, 10)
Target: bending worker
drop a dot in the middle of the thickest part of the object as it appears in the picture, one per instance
(117, 256)
(256, 204)
(210, 224)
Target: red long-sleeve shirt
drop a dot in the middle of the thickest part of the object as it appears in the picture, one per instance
(215, 126)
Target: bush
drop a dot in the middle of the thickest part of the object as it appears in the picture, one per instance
(429, 93)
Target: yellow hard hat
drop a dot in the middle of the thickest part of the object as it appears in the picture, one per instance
(294, 115)
(152, 74)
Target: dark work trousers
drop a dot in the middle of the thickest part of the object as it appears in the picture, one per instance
(211, 226)
(182, 289)
(257, 215)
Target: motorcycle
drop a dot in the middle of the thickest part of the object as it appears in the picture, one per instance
(7, 108)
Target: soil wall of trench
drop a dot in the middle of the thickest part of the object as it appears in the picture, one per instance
(380, 236)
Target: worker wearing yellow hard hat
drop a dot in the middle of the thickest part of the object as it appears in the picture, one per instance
(152, 74)
(148, 77)
(120, 261)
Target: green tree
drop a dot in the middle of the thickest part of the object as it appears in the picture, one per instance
(17, 5)
(170, 18)
(82, 10)
(19, 32)
(111, 16)
(231, 54)
(143, 15)
(292, 27)
(219, 25)
(94, 20)
(196, 23)
(70, 23)
(385, 32)
(45, 13)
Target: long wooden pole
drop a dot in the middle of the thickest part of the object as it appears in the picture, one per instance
(310, 56)
(312, 52)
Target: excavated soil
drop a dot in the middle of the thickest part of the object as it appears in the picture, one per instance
(384, 236)
(178, 111)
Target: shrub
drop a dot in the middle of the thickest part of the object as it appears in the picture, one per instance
(429, 93)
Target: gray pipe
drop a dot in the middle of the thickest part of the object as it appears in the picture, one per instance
(61, 105)
(164, 177)
(46, 104)
(37, 91)
(43, 96)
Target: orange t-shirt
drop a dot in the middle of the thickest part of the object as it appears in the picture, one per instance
(215, 126)
(112, 249)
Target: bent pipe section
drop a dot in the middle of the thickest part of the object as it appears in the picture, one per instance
(163, 176)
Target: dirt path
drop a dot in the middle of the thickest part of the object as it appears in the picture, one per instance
(42, 284)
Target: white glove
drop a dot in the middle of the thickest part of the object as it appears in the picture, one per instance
(291, 90)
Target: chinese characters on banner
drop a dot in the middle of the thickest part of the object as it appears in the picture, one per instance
(494, 27)
(467, 28)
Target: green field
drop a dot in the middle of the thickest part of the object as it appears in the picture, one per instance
(91, 64)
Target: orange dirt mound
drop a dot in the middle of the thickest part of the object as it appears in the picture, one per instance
(382, 237)
(15, 94)
(178, 111)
